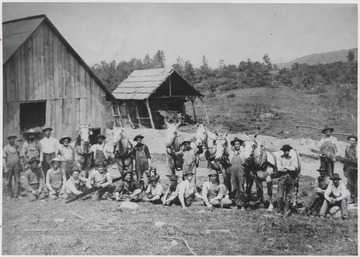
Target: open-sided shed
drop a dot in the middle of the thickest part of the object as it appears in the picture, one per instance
(46, 82)
(146, 93)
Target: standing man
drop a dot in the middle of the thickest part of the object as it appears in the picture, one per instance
(49, 146)
(34, 181)
(100, 149)
(237, 173)
(67, 153)
(329, 148)
(31, 148)
(11, 156)
(335, 194)
(142, 158)
(190, 159)
(350, 167)
(287, 168)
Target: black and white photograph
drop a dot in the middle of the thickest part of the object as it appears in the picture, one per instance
(179, 128)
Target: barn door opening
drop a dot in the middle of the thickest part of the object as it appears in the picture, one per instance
(95, 133)
(32, 115)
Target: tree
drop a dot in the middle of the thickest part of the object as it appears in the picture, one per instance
(189, 72)
(179, 65)
(147, 62)
(351, 56)
(159, 59)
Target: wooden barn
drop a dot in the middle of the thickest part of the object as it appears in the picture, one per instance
(46, 82)
(144, 96)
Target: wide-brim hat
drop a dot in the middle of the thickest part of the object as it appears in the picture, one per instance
(138, 136)
(188, 173)
(173, 177)
(187, 141)
(327, 128)
(100, 136)
(31, 131)
(322, 168)
(153, 178)
(56, 159)
(34, 159)
(212, 173)
(335, 176)
(100, 164)
(11, 135)
(236, 139)
(61, 141)
(127, 172)
(47, 128)
(75, 168)
(286, 148)
(352, 136)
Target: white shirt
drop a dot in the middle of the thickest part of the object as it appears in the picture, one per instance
(105, 148)
(186, 188)
(49, 145)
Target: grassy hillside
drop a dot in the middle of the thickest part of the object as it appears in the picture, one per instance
(276, 111)
(328, 57)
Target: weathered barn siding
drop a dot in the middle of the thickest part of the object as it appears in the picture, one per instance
(44, 69)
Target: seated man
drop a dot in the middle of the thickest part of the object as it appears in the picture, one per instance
(171, 195)
(126, 187)
(55, 180)
(34, 181)
(76, 184)
(317, 197)
(153, 192)
(100, 178)
(335, 194)
(187, 191)
(213, 192)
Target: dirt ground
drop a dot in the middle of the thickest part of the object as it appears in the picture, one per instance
(88, 228)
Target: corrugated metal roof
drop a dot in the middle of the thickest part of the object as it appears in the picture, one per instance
(141, 84)
(16, 32)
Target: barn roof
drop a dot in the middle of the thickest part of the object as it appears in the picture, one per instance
(16, 32)
(141, 84)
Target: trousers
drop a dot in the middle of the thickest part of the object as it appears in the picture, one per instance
(284, 192)
(326, 206)
(13, 172)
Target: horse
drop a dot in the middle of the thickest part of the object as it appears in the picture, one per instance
(83, 158)
(123, 150)
(261, 165)
(217, 150)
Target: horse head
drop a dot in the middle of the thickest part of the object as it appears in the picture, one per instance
(118, 134)
(249, 148)
(123, 146)
(82, 139)
(221, 144)
(171, 133)
(201, 135)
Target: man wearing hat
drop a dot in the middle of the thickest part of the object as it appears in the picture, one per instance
(142, 158)
(237, 172)
(189, 159)
(171, 195)
(31, 147)
(55, 180)
(213, 192)
(11, 158)
(335, 194)
(49, 146)
(67, 153)
(350, 167)
(100, 178)
(329, 148)
(100, 149)
(316, 199)
(34, 181)
(153, 193)
(76, 184)
(287, 168)
(187, 191)
(126, 187)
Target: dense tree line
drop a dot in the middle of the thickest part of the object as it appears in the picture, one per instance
(246, 74)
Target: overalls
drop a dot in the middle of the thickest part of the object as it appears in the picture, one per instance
(237, 180)
(328, 150)
(13, 167)
(141, 161)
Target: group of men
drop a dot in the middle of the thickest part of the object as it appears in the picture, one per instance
(49, 171)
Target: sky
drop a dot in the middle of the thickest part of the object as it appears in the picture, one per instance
(232, 32)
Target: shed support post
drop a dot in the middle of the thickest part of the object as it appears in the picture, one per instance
(150, 115)
(137, 113)
(204, 106)
(192, 99)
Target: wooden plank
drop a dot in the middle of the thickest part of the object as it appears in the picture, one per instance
(42, 89)
(33, 66)
(51, 57)
(82, 113)
(150, 114)
(13, 97)
(56, 66)
(26, 70)
(20, 74)
(88, 97)
(49, 111)
(78, 113)
(37, 57)
(47, 89)
(7, 79)
(72, 76)
(77, 79)
(93, 103)
(16, 118)
(82, 82)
